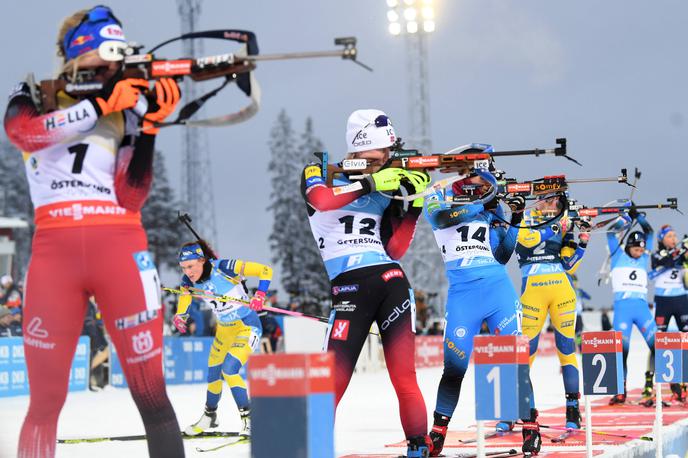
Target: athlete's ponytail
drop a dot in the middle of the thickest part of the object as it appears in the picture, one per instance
(207, 249)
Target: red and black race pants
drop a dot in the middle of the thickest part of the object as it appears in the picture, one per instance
(110, 263)
(380, 294)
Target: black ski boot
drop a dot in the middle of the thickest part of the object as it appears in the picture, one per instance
(619, 399)
(677, 393)
(573, 416)
(531, 435)
(438, 433)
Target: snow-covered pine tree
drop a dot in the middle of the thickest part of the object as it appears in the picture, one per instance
(285, 168)
(424, 266)
(15, 201)
(314, 281)
(159, 218)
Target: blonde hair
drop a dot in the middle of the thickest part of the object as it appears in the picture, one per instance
(68, 23)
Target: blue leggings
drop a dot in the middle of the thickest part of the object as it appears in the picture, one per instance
(628, 312)
(491, 299)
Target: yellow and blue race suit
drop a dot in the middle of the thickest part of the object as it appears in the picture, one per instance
(545, 261)
(238, 327)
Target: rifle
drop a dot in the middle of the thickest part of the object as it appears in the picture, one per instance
(233, 67)
(605, 269)
(583, 213)
(550, 184)
(185, 219)
(530, 190)
(680, 251)
(412, 159)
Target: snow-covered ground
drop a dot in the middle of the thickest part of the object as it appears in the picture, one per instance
(367, 417)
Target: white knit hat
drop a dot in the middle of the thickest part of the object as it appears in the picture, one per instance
(369, 129)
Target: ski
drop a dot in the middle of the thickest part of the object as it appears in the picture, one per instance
(137, 437)
(594, 431)
(243, 439)
(649, 403)
(561, 438)
(494, 454)
(489, 435)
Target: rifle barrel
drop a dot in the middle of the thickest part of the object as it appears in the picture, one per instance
(344, 53)
(525, 152)
(594, 180)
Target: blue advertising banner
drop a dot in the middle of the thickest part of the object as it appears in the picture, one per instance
(185, 360)
(14, 380)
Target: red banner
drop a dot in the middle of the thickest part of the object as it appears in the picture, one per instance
(671, 340)
(546, 345)
(291, 374)
(501, 349)
(601, 342)
(429, 351)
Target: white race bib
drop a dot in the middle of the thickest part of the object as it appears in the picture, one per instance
(342, 233)
(629, 280)
(464, 241)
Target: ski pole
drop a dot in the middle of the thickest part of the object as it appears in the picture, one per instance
(601, 433)
(201, 293)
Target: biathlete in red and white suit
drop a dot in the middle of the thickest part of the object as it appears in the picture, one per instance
(361, 234)
(89, 168)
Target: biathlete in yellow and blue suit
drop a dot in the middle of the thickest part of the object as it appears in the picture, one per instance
(546, 260)
(238, 326)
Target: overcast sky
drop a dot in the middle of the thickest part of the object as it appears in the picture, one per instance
(610, 76)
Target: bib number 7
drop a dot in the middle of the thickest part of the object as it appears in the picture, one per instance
(79, 152)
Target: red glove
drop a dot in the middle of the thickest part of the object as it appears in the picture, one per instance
(257, 301)
(179, 322)
(167, 97)
(584, 231)
(123, 95)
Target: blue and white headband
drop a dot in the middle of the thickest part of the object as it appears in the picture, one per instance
(191, 252)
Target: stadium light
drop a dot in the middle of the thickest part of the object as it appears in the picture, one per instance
(410, 16)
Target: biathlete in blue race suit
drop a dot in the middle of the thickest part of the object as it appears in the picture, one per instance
(629, 266)
(475, 247)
